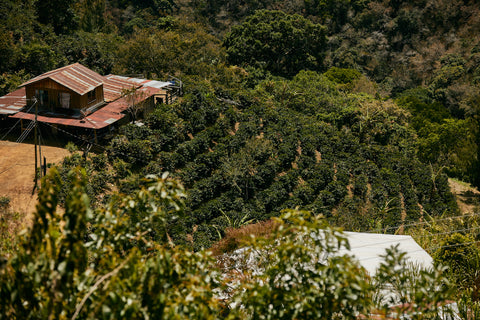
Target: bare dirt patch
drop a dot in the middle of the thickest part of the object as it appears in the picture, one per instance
(468, 197)
(17, 162)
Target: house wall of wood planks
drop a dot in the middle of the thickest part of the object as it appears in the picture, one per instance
(54, 90)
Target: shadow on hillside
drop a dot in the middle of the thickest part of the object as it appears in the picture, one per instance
(469, 197)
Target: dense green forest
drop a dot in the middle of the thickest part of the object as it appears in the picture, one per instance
(357, 111)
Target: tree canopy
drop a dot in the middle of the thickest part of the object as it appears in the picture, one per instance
(277, 42)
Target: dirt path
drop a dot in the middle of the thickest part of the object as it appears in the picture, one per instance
(17, 163)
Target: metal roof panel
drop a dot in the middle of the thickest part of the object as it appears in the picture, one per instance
(13, 102)
(114, 85)
(76, 77)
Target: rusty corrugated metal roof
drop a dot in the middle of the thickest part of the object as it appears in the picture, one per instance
(13, 102)
(142, 82)
(113, 87)
(97, 120)
(76, 77)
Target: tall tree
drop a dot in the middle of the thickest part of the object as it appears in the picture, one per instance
(92, 15)
(278, 42)
(57, 13)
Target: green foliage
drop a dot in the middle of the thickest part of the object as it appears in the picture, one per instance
(9, 82)
(188, 50)
(451, 144)
(342, 75)
(306, 277)
(8, 50)
(4, 202)
(111, 263)
(19, 21)
(10, 224)
(277, 42)
(468, 308)
(97, 51)
(297, 268)
(59, 14)
(239, 169)
(59, 256)
(210, 10)
(461, 254)
(335, 13)
(165, 7)
(37, 58)
(92, 15)
(115, 263)
(443, 140)
(452, 242)
(302, 142)
(100, 178)
(136, 152)
(248, 143)
(412, 287)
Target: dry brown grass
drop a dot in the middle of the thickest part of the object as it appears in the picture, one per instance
(17, 172)
(236, 238)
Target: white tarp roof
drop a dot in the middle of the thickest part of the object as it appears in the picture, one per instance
(157, 84)
(369, 247)
(145, 82)
(366, 248)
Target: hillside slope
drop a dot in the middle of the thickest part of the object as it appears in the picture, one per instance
(305, 142)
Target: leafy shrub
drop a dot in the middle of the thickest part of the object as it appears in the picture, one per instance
(10, 224)
(342, 75)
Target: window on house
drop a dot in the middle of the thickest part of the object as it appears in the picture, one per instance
(64, 99)
(91, 96)
(42, 96)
